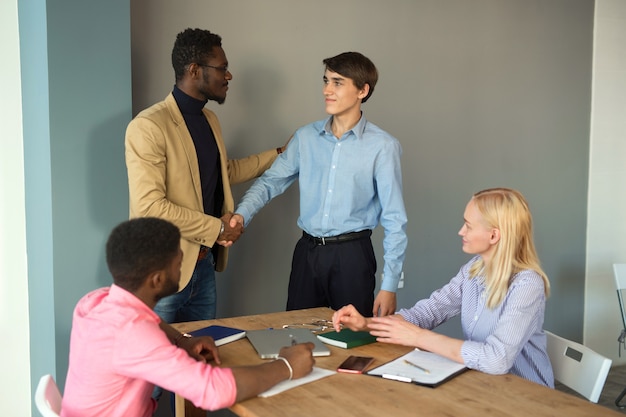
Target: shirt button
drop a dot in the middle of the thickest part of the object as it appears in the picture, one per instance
(475, 318)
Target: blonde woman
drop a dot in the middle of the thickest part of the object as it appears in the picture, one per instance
(500, 294)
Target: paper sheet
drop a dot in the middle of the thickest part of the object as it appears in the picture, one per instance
(431, 369)
(316, 374)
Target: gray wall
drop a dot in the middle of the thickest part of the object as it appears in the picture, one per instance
(480, 94)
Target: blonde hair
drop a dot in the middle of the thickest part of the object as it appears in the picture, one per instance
(506, 209)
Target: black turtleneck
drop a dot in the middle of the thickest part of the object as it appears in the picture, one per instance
(206, 149)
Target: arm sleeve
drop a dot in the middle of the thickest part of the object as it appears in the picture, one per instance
(272, 183)
(388, 177)
(246, 169)
(521, 314)
(152, 357)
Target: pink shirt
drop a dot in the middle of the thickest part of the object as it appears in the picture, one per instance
(118, 353)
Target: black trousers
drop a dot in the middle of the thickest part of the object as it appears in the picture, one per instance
(333, 275)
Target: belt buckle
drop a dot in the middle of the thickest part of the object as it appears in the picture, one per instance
(323, 241)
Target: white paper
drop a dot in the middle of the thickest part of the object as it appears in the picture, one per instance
(435, 368)
(316, 374)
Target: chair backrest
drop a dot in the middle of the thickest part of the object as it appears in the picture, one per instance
(619, 271)
(48, 397)
(577, 366)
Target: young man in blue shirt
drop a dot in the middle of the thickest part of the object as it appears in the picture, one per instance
(350, 181)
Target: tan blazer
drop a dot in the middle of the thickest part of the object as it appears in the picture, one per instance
(164, 178)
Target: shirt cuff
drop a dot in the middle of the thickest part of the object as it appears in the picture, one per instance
(470, 352)
(390, 285)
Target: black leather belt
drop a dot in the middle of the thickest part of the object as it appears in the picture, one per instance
(338, 239)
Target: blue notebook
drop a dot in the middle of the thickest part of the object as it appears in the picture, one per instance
(221, 334)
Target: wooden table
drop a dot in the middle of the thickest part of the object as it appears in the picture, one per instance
(470, 394)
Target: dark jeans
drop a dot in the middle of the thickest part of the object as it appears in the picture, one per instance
(197, 301)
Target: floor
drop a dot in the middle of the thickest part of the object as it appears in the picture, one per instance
(613, 386)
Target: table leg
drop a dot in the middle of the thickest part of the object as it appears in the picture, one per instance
(184, 408)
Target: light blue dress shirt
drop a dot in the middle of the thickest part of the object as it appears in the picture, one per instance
(346, 185)
(509, 338)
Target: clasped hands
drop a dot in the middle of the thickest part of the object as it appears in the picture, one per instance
(233, 229)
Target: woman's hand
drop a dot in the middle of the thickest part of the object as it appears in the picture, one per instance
(349, 316)
(394, 329)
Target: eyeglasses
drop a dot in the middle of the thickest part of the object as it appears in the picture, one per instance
(223, 68)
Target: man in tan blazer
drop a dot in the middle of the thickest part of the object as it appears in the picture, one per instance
(178, 170)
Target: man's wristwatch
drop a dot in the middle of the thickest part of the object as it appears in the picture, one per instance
(221, 229)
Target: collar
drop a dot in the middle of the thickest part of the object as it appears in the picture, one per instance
(186, 103)
(357, 130)
(123, 296)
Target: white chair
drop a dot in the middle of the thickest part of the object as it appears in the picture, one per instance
(577, 366)
(48, 397)
(619, 271)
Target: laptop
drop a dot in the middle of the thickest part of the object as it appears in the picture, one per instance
(268, 342)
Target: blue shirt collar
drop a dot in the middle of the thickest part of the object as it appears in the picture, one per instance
(357, 130)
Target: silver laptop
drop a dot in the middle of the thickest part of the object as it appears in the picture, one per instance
(268, 342)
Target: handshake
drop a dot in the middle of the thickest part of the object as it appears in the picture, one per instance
(233, 229)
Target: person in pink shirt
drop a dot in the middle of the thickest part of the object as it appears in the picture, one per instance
(119, 348)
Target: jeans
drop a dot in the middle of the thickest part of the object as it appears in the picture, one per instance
(197, 301)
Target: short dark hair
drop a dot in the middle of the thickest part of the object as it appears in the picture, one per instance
(138, 247)
(355, 66)
(192, 46)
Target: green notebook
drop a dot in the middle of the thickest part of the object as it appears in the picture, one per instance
(346, 338)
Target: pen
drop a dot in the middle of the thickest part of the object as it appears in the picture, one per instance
(397, 378)
(417, 366)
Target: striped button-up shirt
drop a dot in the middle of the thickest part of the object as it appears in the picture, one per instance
(506, 339)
